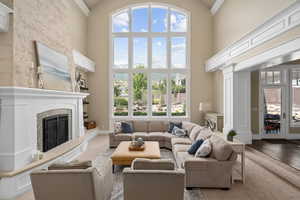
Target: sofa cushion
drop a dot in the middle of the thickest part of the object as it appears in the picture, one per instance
(156, 126)
(180, 147)
(123, 136)
(71, 165)
(140, 126)
(173, 124)
(185, 140)
(195, 146)
(181, 157)
(156, 136)
(194, 133)
(188, 126)
(204, 133)
(127, 127)
(204, 150)
(152, 164)
(221, 150)
(143, 135)
(168, 136)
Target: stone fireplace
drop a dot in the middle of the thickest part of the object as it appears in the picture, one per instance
(54, 127)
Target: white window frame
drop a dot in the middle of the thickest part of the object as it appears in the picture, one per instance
(168, 71)
(292, 124)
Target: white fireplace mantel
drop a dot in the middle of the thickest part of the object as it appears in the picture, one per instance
(34, 92)
(18, 121)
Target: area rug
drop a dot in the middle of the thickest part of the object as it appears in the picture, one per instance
(117, 193)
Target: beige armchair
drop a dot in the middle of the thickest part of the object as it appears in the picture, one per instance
(153, 179)
(93, 183)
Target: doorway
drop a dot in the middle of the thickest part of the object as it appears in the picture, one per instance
(273, 104)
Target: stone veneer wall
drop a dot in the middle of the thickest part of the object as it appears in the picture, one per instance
(59, 24)
(6, 51)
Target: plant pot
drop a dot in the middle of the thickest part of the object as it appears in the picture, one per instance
(230, 138)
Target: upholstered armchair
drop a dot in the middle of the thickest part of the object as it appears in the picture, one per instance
(153, 179)
(92, 183)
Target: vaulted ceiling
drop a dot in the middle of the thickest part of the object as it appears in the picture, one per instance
(92, 3)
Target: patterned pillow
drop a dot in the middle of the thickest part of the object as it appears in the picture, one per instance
(179, 132)
(173, 124)
(117, 127)
(204, 150)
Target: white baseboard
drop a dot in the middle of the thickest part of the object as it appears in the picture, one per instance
(290, 136)
(256, 137)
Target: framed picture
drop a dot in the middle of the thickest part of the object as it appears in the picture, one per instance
(54, 67)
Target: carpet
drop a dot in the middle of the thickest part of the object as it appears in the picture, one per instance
(117, 193)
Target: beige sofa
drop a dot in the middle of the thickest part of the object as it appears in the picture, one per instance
(149, 131)
(214, 171)
(153, 179)
(93, 183)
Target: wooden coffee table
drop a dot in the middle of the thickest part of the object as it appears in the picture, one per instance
(122, 155)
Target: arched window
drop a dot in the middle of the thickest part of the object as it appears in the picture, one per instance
(150, 65)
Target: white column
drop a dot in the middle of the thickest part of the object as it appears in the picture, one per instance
(237, 103)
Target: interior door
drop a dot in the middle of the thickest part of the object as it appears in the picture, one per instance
(273, 112)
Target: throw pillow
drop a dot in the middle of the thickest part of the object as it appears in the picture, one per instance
(127, 127)
(195, 132)
(173, 124)
(117, 127)
(179, 132)
(195, 146)
(204, 150)
(204, 134)
(222, 150)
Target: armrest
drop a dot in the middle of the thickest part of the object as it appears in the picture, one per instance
(205, 164)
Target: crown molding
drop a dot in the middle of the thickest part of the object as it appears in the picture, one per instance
(82, 5)
(216, 6)
(282, 22)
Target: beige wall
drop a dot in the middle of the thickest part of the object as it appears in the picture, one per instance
(98, 50)
(6, 52)
(61, 25)
(234, 20)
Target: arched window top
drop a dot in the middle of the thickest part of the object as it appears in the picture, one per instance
(149, 62)
(156, 18)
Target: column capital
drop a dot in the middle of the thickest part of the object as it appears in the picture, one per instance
(229, 68)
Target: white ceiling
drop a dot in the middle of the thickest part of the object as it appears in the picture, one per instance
(92, 3)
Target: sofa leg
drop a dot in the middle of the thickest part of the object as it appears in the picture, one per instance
(189, 188)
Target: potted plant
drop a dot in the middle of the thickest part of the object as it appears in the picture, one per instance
(230, 135)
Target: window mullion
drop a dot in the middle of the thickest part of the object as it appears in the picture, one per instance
(169, 85)
(130, 67)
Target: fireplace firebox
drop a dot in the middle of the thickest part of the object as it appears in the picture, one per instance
(55, 131)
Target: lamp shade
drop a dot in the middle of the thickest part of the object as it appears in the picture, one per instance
(204, 106)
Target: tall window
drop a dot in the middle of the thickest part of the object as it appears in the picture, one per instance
(150, 66)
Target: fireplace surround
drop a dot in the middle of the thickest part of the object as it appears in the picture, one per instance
(20, 111)
(54, 127)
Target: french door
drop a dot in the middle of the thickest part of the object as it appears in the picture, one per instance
(273, 123)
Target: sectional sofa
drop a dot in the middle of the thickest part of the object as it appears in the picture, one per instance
(214, 171)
